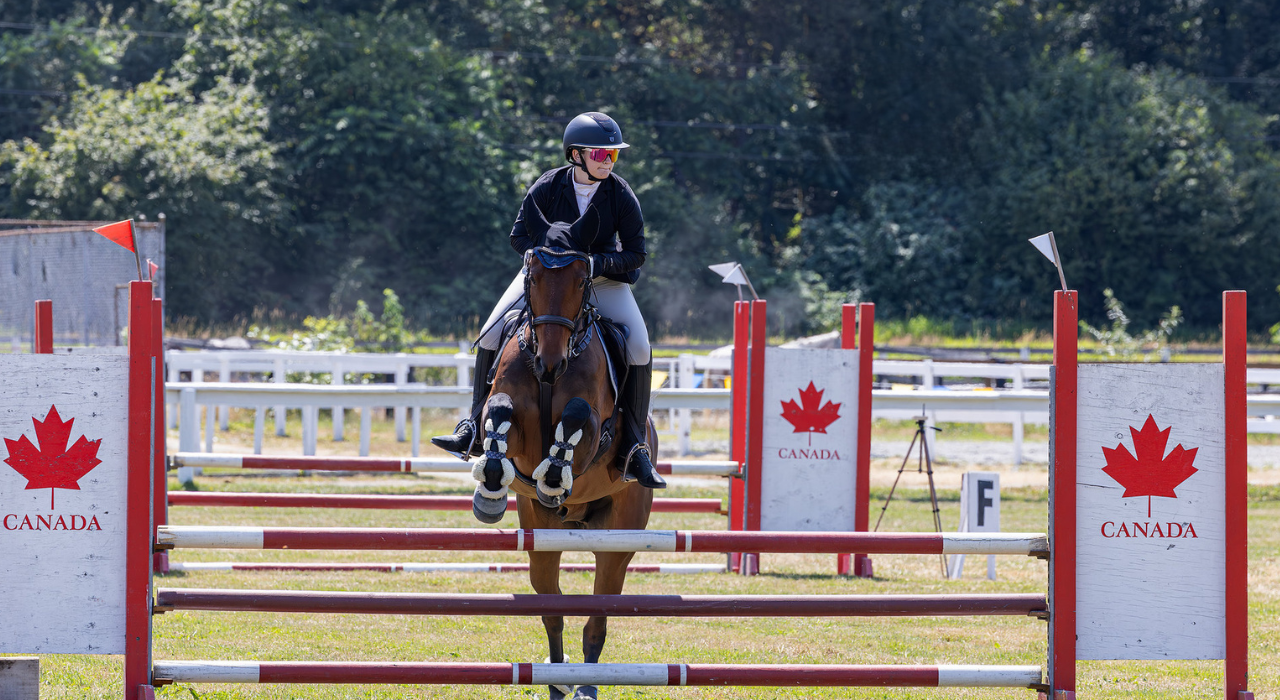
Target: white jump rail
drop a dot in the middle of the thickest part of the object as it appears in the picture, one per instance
(418, 465)
(434, 567)
(569, 674)
(473, 540)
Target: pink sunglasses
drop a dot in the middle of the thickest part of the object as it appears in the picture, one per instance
(600, 155)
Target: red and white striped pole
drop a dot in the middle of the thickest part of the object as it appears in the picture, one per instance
(765, 675)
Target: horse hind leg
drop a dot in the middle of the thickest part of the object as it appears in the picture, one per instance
(611, 574)
(493, 471)
(555, 474)
(544, 575)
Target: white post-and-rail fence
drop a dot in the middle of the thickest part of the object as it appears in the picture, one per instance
(1013, 405)
(679, 400)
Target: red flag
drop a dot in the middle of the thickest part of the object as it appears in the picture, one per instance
(120, 233)
(152, 268)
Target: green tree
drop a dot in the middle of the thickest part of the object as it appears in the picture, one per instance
(1154, 183)
(201, 158)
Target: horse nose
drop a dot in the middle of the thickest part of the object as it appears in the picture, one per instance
(561, 367)
(539, 368)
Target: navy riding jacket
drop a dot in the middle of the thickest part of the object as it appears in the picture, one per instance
(618, 249)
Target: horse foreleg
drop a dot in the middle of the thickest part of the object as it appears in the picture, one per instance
(554, 475)
(544, 574)
(493, 471)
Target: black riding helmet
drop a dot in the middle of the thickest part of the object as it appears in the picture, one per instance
(591, 130)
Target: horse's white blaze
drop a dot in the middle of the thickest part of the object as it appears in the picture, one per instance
(988, 676)
(605, 541)
(599, 674)
(206, 671)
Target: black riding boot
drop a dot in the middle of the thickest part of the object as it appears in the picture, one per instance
(635, 405)
(463, 442)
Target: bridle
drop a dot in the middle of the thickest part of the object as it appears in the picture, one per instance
(580, 328)
(580, 325)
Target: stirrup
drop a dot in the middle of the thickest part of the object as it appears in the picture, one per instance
(465, 455)
(657, 481)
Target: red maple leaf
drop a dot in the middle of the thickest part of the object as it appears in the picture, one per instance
(1151, 472)
(808, 417)
(52, 466)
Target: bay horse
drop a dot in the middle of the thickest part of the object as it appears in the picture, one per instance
(557, 361)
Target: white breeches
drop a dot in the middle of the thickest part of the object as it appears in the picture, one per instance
(613, 299)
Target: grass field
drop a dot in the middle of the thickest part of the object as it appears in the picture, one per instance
(992, 640)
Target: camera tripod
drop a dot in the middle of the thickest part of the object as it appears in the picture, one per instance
(924, 464)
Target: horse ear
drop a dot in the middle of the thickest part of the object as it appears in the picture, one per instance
(587, 227)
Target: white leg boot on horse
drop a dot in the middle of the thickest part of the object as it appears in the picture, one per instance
(493, 470)
(464, 442)
(554, 475)
(638, 465)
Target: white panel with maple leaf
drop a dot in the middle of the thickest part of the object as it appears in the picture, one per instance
(1151, 466)
(808, 470)
(63, 420)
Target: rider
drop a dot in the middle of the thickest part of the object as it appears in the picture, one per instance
(592, 142)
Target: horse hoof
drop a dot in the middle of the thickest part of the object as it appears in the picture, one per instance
(556, 693)
(552, 502)
(488, 510)
(585, 692)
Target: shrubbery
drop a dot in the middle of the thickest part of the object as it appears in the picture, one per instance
(899, 152)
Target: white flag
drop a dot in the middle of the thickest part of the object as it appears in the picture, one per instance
(736, 277)
(724, 269)
(1049, 247)
(1045, 246)
(732, 273)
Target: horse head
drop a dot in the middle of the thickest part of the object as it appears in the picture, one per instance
(557, 288)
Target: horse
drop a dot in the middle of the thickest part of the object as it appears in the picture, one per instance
(557, 361)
